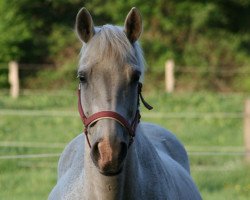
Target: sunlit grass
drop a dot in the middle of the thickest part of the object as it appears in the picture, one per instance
(217, 176)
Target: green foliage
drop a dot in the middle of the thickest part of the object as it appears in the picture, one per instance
(28, 29)
(204, 34)
(13, 29)
(3, 78)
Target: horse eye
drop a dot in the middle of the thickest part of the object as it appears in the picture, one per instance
(136, 76)
(82, 78)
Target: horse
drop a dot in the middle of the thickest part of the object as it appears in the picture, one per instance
(117, 156)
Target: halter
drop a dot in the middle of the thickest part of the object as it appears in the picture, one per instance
(131, 128)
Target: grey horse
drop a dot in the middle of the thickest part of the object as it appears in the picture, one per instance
(119, 158)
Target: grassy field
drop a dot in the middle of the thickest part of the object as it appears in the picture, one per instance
(44, 123)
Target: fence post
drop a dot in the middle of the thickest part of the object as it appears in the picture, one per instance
(169, 76)
(247, 129)
(14, 79)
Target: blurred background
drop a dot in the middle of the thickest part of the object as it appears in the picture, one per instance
(197, 79)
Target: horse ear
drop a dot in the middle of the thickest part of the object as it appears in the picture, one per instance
(133, 25)
(84, 25)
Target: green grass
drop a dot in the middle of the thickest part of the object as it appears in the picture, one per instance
(26, 181)
(203, 130)
(217, 176)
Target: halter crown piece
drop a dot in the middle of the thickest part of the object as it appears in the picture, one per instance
(131, 128)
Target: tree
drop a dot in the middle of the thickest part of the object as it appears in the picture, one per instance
(206, 34)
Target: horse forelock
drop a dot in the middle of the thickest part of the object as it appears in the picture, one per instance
(108, 44)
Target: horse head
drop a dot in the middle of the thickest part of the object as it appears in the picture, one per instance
(110, 69)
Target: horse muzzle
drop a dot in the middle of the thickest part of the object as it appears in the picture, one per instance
(109, 156)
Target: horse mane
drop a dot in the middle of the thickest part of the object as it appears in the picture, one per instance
(110, 42)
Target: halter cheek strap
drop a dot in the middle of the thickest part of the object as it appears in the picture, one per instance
(131, 128)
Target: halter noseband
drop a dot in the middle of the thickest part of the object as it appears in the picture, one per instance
(131, 128)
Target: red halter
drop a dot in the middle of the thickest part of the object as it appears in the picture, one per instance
(131, 128)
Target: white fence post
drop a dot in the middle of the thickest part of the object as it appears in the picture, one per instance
(14, 79)
(247, 129)
(169, 76)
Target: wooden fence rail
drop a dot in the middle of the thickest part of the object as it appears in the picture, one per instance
(170, 69)
(169, 85)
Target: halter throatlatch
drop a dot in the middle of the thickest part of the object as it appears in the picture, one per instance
(131, 128)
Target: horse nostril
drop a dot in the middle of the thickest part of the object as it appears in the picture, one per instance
(123, 151)
(95, 154)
